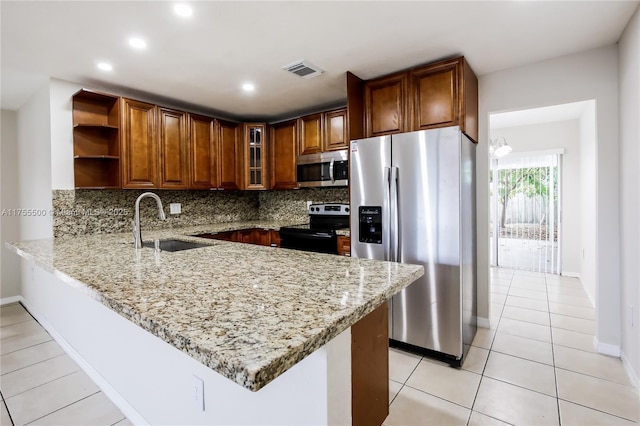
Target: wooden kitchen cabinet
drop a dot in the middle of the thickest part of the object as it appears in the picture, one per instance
(344, 245)
(284, 155)
(255, 236)
(262, 237)
(255, 156)
(139, 149)
(275, 238)
(435, 96)
(445, 94)
(155, 149)
(203, 152)
(440, 94)
(310, 133)
(245, 236)
(96, 140)
(386, 105)
(223, 236)
(370, 368)
(229, 155)
(173, 149)
(228, 236)
(335, 132)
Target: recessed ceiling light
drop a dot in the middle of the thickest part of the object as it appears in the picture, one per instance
(137, 43)
(105, 66)
(248, 87)
(183, 10)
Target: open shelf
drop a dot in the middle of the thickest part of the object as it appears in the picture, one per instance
(98, 187)
(103, 157)
(96, 140)
(98, 126)
(96, 172)
(95, 108)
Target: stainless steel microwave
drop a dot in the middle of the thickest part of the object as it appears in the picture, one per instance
(324, 169)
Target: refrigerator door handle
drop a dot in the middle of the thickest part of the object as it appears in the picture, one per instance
(387, 200)
(331, 174)
(395, 238)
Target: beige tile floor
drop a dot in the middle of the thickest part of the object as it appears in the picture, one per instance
(535, 366)
(40, 384)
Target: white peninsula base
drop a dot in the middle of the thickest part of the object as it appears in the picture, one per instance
(153, 383)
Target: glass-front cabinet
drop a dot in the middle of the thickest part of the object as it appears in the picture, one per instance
(255, 149)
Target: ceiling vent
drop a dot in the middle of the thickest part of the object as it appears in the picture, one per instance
(303, 69)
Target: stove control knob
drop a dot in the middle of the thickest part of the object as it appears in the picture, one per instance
(346, 209)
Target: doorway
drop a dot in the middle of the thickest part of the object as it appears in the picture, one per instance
(525, 212)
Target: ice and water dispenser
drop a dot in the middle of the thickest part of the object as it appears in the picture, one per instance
(370, 219)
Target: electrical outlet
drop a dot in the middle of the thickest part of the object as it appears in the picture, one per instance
(198, 392)
(630, 309)
(175, 208)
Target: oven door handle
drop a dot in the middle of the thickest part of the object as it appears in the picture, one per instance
(332, 164)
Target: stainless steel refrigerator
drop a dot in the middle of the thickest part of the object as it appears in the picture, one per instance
(413, 201)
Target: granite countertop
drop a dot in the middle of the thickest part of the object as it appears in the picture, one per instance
(248, 312)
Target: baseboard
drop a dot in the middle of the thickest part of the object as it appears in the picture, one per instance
(127, 409)
(606, 348)
(483, 322)
(12, 299)
(577, 275)
(633, 375)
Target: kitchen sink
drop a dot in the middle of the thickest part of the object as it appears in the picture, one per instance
(175, 245)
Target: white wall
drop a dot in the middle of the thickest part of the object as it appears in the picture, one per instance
(578, 77)
(545, 136)
(588, 201)
(9, 199)
(62, 133)
(629, 68)
(34, 162)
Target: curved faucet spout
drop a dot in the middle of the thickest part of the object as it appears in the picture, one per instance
(137, 232)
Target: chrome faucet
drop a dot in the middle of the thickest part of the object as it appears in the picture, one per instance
(137, 233)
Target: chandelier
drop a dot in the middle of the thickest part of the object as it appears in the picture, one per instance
(499, 147)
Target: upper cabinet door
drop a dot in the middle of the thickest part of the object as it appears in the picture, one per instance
(310, 134)
(335, 134)
(139, 150)
(255, 156)
(385, 104)
(202, 143)
(284, 155)
(435, 96)
(174, 149)
(229, 155)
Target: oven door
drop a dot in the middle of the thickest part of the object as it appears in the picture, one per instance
(319, 242)
(324, 169)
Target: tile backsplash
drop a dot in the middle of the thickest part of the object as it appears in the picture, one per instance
(81, 212)
(292, 205)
